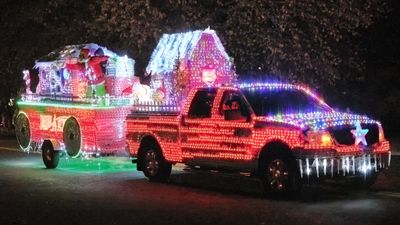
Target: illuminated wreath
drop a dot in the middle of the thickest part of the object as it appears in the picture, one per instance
(22, 131)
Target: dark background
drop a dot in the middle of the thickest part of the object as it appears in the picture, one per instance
(348, 53)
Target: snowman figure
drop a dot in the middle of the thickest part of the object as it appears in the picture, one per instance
(27, 79)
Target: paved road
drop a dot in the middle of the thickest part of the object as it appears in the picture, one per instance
(110, 191)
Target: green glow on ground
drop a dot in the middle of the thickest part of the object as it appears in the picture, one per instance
(102, 165)
(97, 165)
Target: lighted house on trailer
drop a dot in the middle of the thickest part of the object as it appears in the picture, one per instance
(185, 60)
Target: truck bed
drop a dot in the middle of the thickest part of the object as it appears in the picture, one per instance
(154, 108)
(157, 120)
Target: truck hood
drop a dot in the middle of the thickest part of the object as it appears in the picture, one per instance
(318, 120)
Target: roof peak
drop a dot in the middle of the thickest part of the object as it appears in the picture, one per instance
(178, 46)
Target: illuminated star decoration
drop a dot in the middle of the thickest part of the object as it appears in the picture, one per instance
(359, 134)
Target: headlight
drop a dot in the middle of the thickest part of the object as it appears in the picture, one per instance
(322, 138)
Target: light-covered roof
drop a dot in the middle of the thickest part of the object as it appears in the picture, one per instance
(172, 46)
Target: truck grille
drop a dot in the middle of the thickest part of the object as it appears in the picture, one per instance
(343, 135)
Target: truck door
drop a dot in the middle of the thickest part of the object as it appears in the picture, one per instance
(197, 128)
(216, 130)
(234, 128)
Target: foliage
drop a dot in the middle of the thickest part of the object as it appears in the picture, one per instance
(32, 29)
(310, 41)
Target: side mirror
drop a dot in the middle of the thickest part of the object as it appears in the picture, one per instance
(183, 120)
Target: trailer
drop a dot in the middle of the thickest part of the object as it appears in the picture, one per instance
(79, 105)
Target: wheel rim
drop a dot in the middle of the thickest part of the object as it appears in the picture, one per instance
(72, 137)
(23, 132)
(47, 154)
(278, 175)
(151, 162)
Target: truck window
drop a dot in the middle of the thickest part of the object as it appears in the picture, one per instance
(202, 104)
(276, 101)
(233, 106)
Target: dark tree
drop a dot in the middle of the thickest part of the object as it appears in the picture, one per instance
(310, 41)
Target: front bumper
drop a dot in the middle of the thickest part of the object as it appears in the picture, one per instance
(342, 161)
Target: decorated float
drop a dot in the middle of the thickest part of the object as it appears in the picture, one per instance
(86, 91)
(79, 105)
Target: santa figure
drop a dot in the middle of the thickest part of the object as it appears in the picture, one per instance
(158, 85)
(96, 72)
(209, 74)
(77, 70)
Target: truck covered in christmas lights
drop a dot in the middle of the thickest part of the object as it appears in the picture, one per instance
(282, 133)
(79, 105)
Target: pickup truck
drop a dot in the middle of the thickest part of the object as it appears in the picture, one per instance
(282, 133)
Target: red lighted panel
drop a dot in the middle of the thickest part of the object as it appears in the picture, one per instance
(101, 129)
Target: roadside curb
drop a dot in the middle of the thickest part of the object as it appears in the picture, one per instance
(395, 153)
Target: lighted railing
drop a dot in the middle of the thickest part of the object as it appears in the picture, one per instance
(156, 107)
(93, 101)
(137, 106)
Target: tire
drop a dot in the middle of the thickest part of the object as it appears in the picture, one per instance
(279, 174)
(154, 166)
(72, 137)
(49, 155)
(23, 131)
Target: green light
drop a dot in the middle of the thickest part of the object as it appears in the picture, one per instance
(101, 165)
(65, 105)
(97, 165)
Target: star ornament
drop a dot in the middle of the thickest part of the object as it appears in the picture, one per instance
(359, 134)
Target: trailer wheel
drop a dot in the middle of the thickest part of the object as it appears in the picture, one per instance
(278, 173)
(49, 155)
(22, 131)
(72, 137)
(154, 165)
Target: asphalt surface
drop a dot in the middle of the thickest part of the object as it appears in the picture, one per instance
(111, 191)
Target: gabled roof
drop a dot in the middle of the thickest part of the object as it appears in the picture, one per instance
(171, 46)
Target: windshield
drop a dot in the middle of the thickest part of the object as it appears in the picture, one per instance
(281, 101)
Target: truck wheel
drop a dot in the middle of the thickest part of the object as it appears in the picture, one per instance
(49, 155)
(154, 165)
(22, 131)
(279, 174)
(72, 137)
